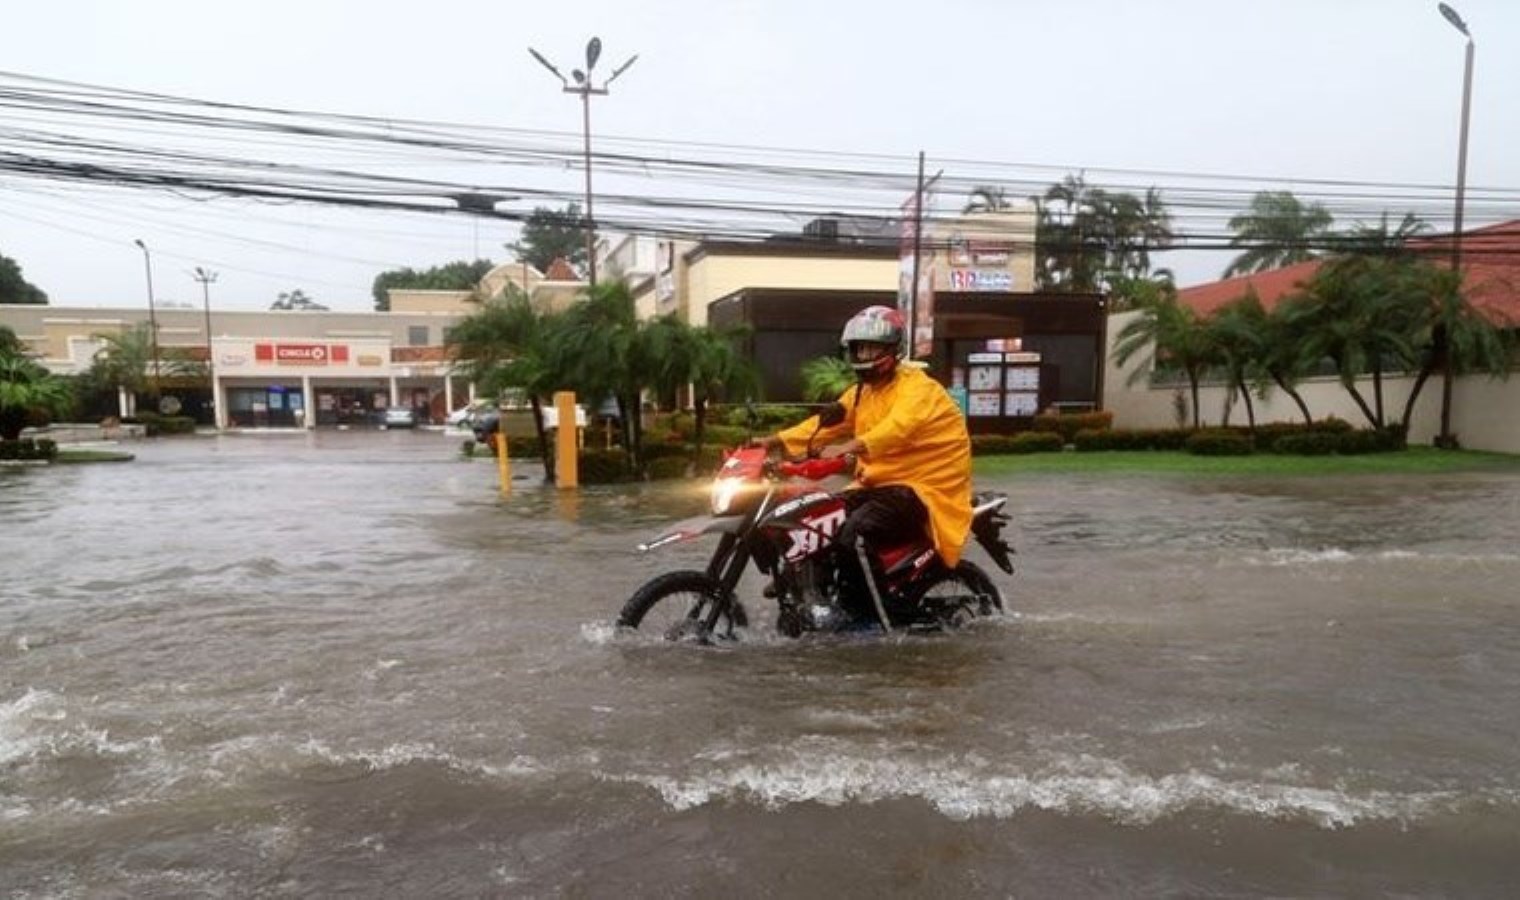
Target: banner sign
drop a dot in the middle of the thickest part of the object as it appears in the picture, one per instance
(300, 354)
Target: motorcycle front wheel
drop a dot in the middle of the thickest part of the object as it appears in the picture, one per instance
(677, 604)
(957, 596)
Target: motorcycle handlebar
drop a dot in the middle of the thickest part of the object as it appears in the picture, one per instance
(814, 469)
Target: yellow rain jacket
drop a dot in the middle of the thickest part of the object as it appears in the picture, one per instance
(914, 435)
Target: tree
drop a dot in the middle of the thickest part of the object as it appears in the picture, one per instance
(676, 355)
(549, 234)
(826, 377)
(1088, 239)
(460, 275)
(1277, 231)
(987, 198)
(28, 393)
(296, 300)
(1172, 333)
(503, 346)
(14, 288)
(594, 349)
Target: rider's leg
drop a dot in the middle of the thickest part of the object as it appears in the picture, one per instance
(879, 516)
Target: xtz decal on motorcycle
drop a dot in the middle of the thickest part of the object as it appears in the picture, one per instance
(814, 533)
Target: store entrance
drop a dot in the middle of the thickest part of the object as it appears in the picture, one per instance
(350, 406)
(275, 406)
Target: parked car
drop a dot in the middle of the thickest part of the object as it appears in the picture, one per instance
(484, 424)
(399, 417)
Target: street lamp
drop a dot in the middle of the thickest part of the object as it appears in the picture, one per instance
(1443, 337)
(152, 316)
(584, 86)
(206, 277)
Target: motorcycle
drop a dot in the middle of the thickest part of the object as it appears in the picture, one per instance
(781, 516)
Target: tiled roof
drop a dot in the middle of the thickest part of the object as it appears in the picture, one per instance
(1490, 260)
(560, 270)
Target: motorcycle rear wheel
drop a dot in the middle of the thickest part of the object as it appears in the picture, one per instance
(676, 604)
(958, 596)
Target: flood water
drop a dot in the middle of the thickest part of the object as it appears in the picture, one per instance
(342, 663)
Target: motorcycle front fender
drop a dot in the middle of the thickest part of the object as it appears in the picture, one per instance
(691, 529)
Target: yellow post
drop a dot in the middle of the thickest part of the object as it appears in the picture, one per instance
(566, 462)
(503, 467)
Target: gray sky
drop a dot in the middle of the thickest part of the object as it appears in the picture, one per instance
(1311, 92)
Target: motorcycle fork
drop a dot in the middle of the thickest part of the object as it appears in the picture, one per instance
(726, 567)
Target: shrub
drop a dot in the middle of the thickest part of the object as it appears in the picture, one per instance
(1089, 439)
(467, 448)
(155, 424)
(1307, 443)
(724, 435)
(991, 444)
(708, 460)
(29, 449)
(654, 451)
(1218, 442)
(665, 468)
(602, 466)
(1036, 442)
(1068, 424)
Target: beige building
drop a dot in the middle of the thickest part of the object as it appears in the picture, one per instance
(296, 368)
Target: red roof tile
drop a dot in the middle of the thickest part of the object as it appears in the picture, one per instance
(1490, 262)
(561, 270)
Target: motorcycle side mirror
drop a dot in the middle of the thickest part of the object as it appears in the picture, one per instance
(831, 415)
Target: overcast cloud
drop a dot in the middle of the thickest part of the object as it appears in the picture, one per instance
(1305, 90)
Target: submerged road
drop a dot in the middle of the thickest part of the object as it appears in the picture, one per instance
(339, 662)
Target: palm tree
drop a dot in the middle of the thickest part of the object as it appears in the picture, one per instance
(1173, 335)
(125, 363)
(1277, 231)
(718, 370)
(27, 390)
(1088, 239)
(826, 377)
(1237, 333)
(1283, 359)
(502, 347)
(594, 349)
(1475, 342)
(985, 198)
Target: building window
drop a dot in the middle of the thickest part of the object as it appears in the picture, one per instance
(417, 335)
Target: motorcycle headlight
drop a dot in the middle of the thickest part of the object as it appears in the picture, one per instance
(723, 493)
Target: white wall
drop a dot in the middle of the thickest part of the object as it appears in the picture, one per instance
(1485, 412)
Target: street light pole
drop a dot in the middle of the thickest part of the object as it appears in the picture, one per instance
(585, 87)
(1443, 336)
(152, 316)
(206, 277)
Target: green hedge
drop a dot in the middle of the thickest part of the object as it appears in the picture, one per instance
(666, 467)
(1218, 442)
(1068, 424)
(603, 466)
(1026, 442)
(29, 449)
(155, 424)
(1090, 440)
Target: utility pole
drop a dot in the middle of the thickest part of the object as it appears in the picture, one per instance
(206, 277)
(585, 87)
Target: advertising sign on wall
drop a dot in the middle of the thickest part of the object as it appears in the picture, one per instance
(300, 354)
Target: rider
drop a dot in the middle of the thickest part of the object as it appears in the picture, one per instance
(909, 438)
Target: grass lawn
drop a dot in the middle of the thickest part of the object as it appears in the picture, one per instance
(67, 456)
(1415, 460)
